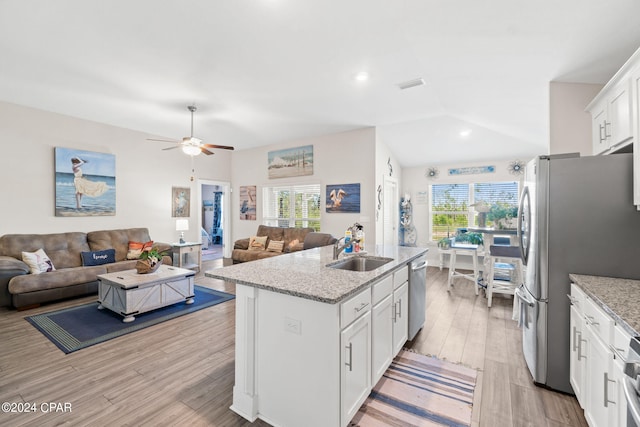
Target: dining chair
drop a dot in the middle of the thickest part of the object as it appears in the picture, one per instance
(504, 271)
(463, 249)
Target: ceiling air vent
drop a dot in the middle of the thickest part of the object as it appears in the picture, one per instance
(411, 83)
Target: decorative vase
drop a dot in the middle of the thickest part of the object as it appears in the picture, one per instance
(145, 266)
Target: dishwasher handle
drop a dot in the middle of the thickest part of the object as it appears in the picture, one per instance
(421, 266)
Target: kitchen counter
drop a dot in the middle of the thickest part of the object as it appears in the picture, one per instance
(311, 339)
(617, 297)
(305, 274)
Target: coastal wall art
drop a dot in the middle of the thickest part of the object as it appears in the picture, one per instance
(248, 202)
(85, 183)
(343, 198)
(290, 162)
(180, 202)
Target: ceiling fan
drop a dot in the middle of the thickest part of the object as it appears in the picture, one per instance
(190, 144)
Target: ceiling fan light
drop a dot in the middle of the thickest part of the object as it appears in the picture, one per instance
(191, 150)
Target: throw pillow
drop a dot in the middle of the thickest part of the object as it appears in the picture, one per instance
(257, 243)
(275, 246)
(38, 261)
(136, 249)
(98, 257)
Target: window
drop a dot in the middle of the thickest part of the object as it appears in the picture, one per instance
(451, 205)
(292, 206)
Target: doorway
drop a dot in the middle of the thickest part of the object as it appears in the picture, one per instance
(214, 219)
(390, 212)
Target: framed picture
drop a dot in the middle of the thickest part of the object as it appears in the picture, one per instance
(343, 198)
(291, 162)
(85, 183)
(180, 202)
(248, 202)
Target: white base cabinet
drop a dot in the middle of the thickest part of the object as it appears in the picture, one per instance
(578, 349)
(597, 361)
(355, 375)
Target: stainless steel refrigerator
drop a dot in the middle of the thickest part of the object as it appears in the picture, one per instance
(576, 215)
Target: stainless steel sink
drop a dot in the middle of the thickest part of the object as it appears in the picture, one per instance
(360, 263)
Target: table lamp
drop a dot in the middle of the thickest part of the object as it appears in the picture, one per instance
(182, 225)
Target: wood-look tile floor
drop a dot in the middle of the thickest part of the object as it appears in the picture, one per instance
(181, 372)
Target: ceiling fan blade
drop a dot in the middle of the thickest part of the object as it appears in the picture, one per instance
(171, 148)
(165, 140)
(222, 147)
(205, 151)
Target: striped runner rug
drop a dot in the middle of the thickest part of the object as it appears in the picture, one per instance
(419, 390)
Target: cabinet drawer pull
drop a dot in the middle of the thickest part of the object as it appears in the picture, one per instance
(575, 341)
(602, 138)
(618, 353)
(606, 390)
(362, 306)
(350, 362)
(590, 320)
(580, 341)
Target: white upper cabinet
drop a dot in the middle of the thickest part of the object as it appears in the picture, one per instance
(613, 113)
(615, 117)
(635, 124)
(611, 118)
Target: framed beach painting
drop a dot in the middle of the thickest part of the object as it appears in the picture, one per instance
(343, 198)
(248, 202)
(85, 183)
(290, 162)
(180, 202)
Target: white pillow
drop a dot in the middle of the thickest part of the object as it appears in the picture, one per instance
(275, 246)
(38, 261)
(257, 243)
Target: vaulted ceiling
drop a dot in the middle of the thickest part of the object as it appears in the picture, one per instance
(267, 71)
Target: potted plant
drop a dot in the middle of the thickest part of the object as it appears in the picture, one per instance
(503, 216)
(444, 243)
(149, 261)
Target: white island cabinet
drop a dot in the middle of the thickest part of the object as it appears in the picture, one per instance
(310, 340)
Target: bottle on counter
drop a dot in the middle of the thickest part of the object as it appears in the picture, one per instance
(347, 239)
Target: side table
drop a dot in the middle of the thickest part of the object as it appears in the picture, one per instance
(187, 255)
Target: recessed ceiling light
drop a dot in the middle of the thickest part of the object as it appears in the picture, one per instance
(362, 76)
(464, 133)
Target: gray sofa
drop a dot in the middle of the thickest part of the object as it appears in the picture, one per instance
(295, 239)
(23, 290)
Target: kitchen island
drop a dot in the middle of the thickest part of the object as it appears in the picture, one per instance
(312, 340)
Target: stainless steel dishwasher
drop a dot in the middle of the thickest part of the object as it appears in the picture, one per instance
(417, 295)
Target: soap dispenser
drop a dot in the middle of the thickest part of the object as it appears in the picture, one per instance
(347, 240)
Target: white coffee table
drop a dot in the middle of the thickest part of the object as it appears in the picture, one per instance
(129, 293)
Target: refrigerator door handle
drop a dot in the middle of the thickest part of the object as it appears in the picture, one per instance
(524, 298)
(524, 239)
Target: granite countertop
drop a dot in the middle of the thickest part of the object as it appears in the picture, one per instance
(618, 297)
(305, 273)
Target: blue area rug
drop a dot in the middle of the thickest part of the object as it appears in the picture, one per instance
(75, 328)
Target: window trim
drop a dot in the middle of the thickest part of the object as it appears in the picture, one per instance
(470, 211)
(293, 189)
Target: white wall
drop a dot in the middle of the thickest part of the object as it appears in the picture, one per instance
(570, 125)
(414, 182)
(144, 175)
(342, 158)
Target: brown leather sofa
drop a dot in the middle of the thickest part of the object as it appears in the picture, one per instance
(70, 278)
(295, 239)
